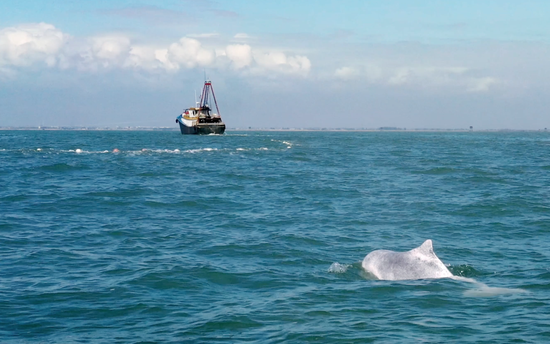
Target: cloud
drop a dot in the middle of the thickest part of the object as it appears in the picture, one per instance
(346, 73)
(189, 53)
(241, 36)
(31, 43)
(418, 77)
(436, 77)
(483, 84)
(421, 75)
(280, 62)
(239, 54)
(94, 53)
(110, 47)
(143, 57)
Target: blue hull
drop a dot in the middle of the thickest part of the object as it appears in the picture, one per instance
(202, 129)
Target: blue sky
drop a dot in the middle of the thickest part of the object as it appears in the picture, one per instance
(414, 64)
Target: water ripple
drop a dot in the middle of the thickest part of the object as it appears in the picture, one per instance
(259, 236)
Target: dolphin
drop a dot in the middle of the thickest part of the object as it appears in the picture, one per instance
(418, 263)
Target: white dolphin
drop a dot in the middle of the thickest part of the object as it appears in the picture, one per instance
(418, 263)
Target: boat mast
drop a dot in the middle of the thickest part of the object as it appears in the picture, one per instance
(207, 89)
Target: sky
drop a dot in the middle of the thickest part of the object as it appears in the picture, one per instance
(277, 64)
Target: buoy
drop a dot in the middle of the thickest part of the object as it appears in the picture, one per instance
(116, 150)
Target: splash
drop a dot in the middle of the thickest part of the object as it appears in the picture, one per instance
(337, 268)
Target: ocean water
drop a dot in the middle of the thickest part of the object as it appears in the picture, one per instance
(258, 237)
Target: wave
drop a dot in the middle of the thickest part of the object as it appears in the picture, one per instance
(80, 151)
(288, 144)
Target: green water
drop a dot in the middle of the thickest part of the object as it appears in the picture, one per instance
(259, 236)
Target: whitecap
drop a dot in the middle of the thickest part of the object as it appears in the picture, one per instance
(288, 144)
(200, 150)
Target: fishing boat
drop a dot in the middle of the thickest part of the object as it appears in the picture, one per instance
(201, 119)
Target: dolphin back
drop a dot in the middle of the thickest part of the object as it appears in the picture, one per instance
(418, 263)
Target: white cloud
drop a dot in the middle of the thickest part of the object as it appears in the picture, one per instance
(426, 76)
(111, 47)
(346, 73)
(241, 36)
(239, 54)
(190, 53)
(30, 43)
(482, 84)
(144, 57)
(418, 77)
(280, 62)
(92, 54)
(43, 43)
(435, 77)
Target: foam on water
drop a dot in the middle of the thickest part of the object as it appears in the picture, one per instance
(80, 151)
(287, 143)
(200, 150)
(483, 290)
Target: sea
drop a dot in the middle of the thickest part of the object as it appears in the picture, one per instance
(258, 236)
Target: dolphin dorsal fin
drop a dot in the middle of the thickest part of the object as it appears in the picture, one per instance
(426, 248)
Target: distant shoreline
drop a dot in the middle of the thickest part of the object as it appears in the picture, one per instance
(382, 129)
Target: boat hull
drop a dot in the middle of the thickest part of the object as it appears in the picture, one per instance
(202, 128)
